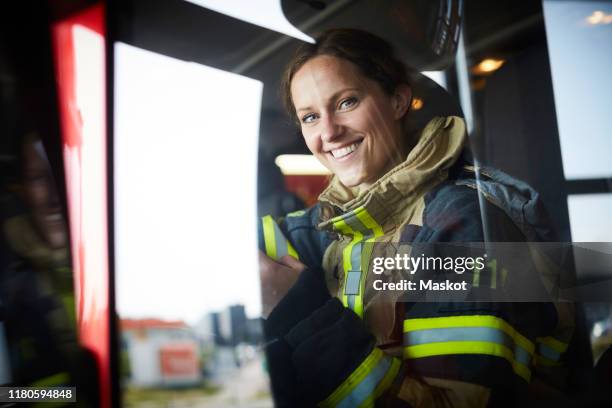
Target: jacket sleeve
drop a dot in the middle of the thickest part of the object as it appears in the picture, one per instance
(326, 358)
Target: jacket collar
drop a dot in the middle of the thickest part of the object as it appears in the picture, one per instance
(439, 146)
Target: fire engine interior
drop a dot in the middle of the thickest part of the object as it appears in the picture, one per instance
(511, 109)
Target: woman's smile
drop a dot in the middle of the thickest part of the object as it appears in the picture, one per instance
(345, 152)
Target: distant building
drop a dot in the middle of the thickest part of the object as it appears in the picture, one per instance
(160, 353)
(207, 328)
(233, 325)
(255, 330)
(228, 328)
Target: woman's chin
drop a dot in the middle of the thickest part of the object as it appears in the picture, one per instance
(351, 180)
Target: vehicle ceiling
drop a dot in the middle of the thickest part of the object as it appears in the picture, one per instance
(183, 30)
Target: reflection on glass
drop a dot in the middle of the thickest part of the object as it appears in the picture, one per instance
(38, 338)
(187, 282)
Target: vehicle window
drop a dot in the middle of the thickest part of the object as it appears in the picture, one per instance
(212, 174)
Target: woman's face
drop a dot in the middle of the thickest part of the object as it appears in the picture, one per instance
(349, 123)
(42, 198)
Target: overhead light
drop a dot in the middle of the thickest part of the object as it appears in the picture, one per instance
(599, 17)
(264, 13)
(487, 66)
(417, 103)
(300, 165)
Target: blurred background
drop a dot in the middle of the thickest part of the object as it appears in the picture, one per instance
(141, 139)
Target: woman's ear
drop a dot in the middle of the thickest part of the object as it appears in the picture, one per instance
(402, 98)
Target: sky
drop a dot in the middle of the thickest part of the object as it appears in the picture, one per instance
(186, 139)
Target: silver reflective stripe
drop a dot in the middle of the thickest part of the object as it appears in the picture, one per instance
(367, 386)
(521, 355)
(356, 256)
(351, 301)
(487, 334)
(457, 334)
(281, 242)
(352, 287)
(548, 353)
(353, 279)
(356, 224)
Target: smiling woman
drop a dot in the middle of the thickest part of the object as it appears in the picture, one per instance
(336, 339)
(350, 100)
(349, 123)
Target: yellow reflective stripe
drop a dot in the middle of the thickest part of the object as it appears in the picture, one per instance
(272, 233)
(540, 360)
(384, 384)
(353, 380)
(360, 225)
(291, 251)
(269, 239)
(468, 347)
(368, 221)
(469, 321)
(341, 226)
(297, 213)
(553, 343)
(53, 380)
(346, 253)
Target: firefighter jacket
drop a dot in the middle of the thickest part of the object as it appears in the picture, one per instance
(331, 342)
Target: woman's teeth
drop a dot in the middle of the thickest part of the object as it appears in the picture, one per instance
(344, 151)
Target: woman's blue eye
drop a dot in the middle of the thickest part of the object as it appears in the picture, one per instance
(347, 103)
(308, 118)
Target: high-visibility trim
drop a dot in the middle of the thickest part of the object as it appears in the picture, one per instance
(368, 221)
(553, 343)
(276, 245)
(297, 213)
(549, 351)
(291, 251)
(469, 321)
(353, 279)
(343, 227)
(384, 385)
(376, 231)
(373, 376)
(486, 334)
(489, 335)
(468, 347)
(353, 380)
(539, 360)
(362, 227)
(268, 233)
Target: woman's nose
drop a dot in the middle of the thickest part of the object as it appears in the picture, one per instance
(330, 129)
